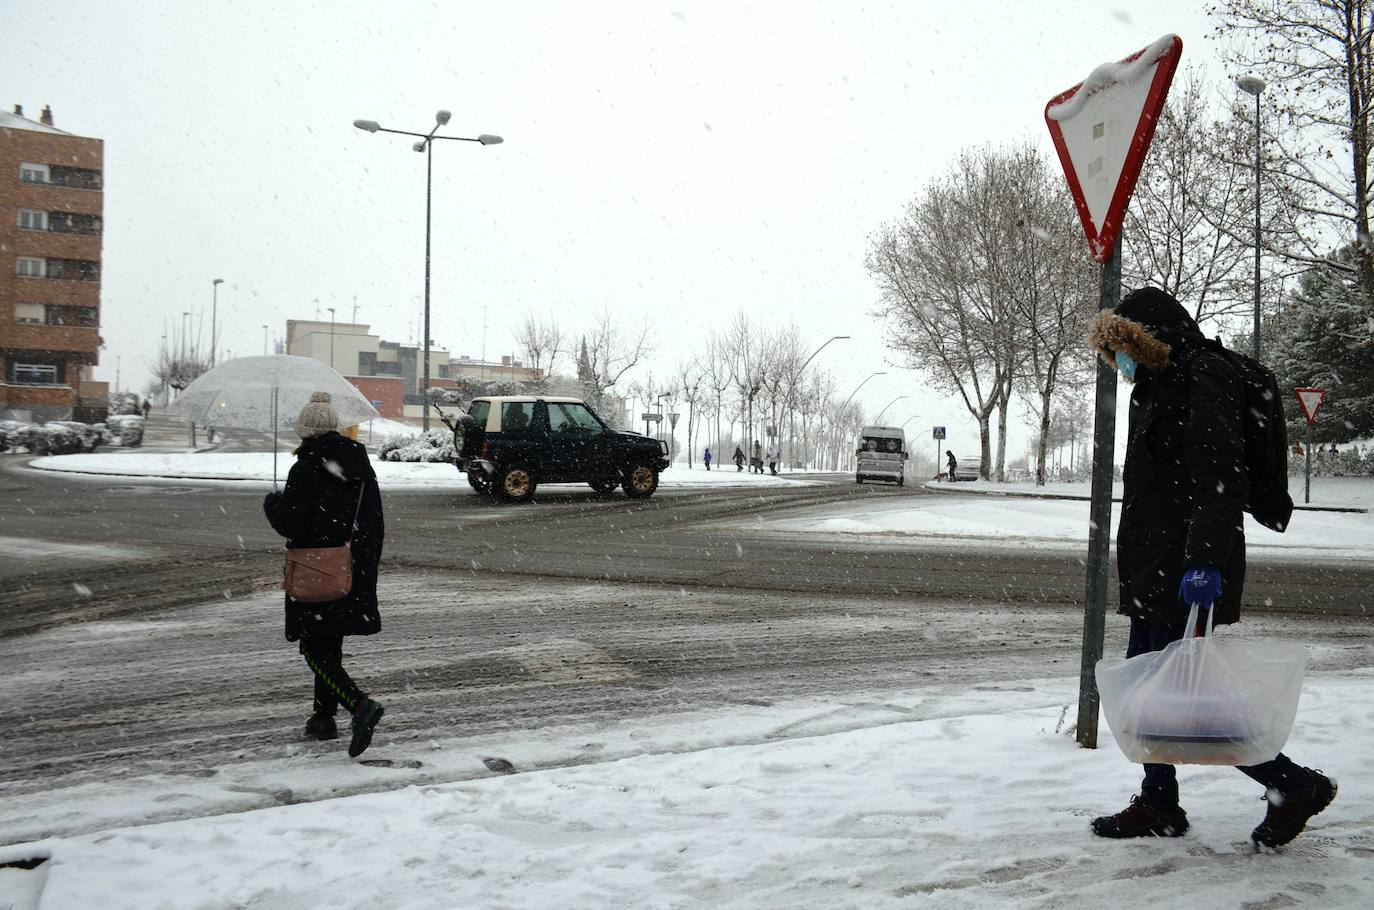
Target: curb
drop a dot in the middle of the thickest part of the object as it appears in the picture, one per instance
(1073, 497)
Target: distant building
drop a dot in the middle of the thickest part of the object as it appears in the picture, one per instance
(509, 369)
(51, 224)
(392, 370)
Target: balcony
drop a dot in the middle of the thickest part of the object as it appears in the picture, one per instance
(74, 223)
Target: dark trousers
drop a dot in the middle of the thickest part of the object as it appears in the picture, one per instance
(333, 687)
(1160, 787)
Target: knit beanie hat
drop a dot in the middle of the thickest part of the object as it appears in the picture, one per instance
(317, 417)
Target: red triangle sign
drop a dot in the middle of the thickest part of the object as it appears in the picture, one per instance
(1311, 401)
(1102, 129)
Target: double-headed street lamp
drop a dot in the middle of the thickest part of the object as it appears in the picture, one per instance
(214, 317)
(1254, 85)
(426, 145)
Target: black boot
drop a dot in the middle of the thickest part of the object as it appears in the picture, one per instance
(365, 717)
(1288, 812)
(321, 727)
(1140, 819)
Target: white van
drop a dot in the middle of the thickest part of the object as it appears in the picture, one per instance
(881, 455)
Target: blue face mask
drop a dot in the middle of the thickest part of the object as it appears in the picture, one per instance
(1126, 364)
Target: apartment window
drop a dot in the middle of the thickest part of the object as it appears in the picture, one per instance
(33, 173)
(33, 219)
(32, 267)
(29, 313)
(33, 374)
(73, 223)
(73, 269)
(69, 315)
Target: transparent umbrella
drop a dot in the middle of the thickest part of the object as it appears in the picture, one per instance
(266, 394)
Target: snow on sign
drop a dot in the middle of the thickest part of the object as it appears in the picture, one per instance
(1102, 129)
(1311, 401)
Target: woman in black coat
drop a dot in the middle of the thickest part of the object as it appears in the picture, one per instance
(331, 481)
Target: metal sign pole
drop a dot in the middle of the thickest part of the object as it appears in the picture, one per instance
(1100, 518)
(1307, 483)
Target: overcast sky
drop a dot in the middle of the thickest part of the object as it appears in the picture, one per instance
(668, 162)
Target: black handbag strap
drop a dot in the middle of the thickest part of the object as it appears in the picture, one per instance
(353, 525)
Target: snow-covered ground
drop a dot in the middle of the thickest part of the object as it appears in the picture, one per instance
(257, 466)
(1338, 492)
(928, 798)
(957, 520)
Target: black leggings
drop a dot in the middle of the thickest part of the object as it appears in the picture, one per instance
(333, 687)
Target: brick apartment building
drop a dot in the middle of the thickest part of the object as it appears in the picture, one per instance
(51, 205)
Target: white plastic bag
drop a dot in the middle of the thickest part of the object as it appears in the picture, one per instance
(1201, 701)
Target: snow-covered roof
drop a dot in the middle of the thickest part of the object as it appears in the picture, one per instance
(16, 122)
(502, 399)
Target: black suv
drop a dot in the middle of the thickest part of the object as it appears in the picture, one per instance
(509, 445)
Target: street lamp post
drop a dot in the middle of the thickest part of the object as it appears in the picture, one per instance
(264, 339)
(1254, 85)
(792, 394)
(214, 318)
(331, 337)
(889, 404)
(840, 413)
(184, 317)
(426, 145)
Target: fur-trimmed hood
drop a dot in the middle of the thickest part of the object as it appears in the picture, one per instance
(1149, 324)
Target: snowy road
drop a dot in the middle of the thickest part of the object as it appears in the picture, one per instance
(147, 677)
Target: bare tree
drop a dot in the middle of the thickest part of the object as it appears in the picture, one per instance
(937, 270)
(690, 380)
(541, 340)
(1318, 58)
(1052, 286)
(608, 352)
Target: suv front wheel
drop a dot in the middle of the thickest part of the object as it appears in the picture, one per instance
(640, 481)
(515, 484)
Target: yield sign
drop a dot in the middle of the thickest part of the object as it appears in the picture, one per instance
(1311, 401)
(1102, 129)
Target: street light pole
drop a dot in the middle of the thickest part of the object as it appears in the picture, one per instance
(889, 404)
(840, 413)
(184, 330)
(792, 393)
(1254, 85)
(331, 336)
(426, 145)
(264, 339)
(214, 318)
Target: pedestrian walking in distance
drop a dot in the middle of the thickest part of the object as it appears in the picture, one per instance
(707, 458)
(952, 462)
(1181, 539)
(774, 456)
(739, 459)
(330, 483)
(756, 459)
(147, 406)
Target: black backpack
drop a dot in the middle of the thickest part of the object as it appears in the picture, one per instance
(1266, 440)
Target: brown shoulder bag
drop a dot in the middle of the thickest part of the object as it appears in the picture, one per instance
(320, 574)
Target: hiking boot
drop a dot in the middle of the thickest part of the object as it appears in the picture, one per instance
(1288, 812)
(321, 727)
(365, 717)
(1140, 819)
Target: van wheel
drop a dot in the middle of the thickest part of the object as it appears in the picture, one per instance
(640, 481)
(516, 484)
(479, 482)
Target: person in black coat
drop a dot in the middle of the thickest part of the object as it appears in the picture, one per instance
(1181, 538)
(316, 509)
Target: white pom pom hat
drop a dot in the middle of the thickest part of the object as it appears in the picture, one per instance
(317, 417)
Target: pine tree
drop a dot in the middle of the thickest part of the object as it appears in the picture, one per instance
(1321, 340)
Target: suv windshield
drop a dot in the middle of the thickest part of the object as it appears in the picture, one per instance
(570, 417)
